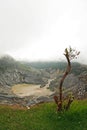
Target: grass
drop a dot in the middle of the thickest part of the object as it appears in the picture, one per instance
(44, 117)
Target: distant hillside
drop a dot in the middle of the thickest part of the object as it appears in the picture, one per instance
(13, 72)
(46, 65)
(77, 68)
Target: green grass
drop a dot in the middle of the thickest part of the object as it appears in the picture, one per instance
(44, 117)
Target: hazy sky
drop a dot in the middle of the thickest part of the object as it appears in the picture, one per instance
(42, 29)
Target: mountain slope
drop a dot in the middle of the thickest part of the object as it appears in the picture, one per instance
(13, 72)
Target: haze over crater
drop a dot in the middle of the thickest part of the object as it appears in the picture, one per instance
(41, 30)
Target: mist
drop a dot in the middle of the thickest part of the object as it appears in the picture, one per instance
(41, 30)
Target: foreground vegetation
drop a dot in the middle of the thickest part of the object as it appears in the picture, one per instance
(44, 117)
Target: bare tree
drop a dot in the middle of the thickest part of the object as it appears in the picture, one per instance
(70, 54)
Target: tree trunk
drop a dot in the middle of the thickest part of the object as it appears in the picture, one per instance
(69, 103)
(62, 80)
(69, 54)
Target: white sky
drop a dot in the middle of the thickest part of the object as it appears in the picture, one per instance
(42, 29)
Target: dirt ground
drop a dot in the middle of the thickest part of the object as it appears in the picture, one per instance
(23, 90)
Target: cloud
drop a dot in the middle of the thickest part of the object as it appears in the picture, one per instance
(37, 29)
(20, 22)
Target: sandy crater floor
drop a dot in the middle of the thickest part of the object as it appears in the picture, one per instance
(23, 90)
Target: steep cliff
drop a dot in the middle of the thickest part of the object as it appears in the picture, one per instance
(13, 72)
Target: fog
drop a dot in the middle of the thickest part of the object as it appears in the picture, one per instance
(41, 29)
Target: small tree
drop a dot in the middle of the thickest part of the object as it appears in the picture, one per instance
(70, 54)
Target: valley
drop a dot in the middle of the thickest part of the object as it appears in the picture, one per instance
(22, 90)
(28, 84)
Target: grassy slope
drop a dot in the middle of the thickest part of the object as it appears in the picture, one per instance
(44, 117)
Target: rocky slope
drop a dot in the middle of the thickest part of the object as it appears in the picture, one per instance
(13, 72)
(75, 82)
